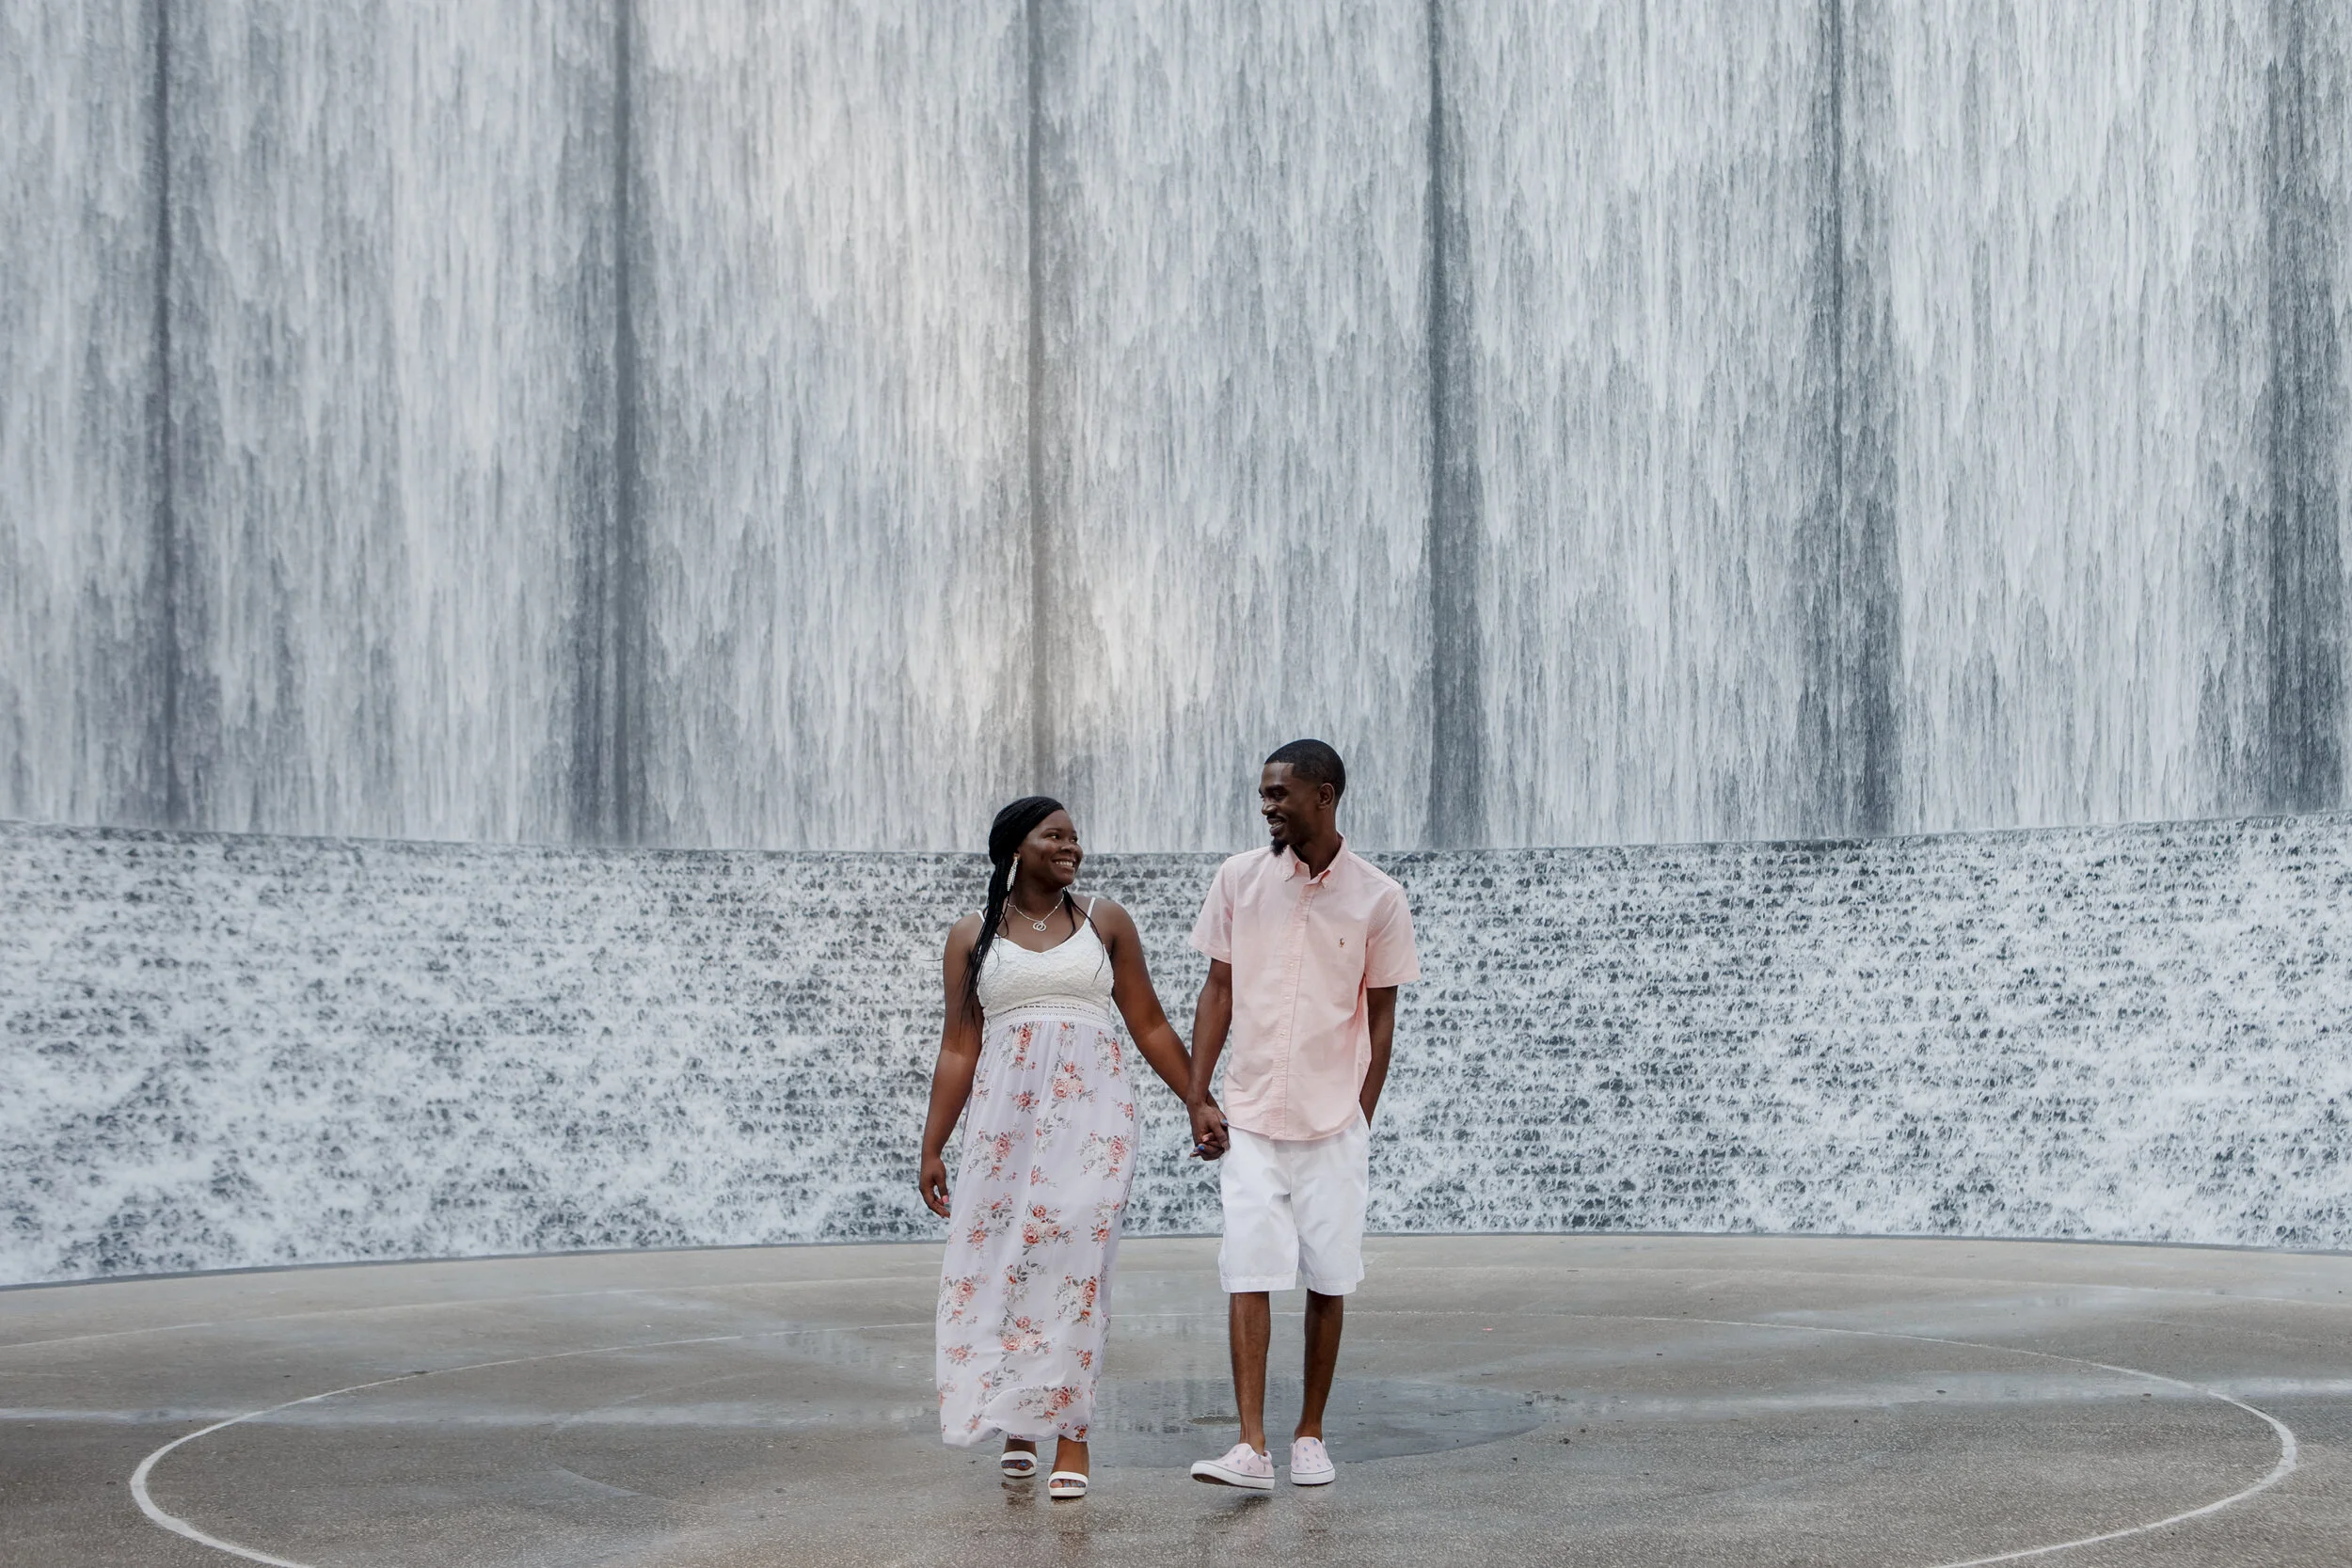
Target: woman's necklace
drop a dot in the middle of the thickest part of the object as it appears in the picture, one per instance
(1033, 920)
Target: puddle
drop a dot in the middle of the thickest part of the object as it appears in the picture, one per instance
(1175, 1422)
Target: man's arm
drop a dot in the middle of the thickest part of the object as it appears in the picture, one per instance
(1380, 1013)
(1212, 1020)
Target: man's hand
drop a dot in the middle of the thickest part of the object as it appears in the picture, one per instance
(1212, 1016)
(1209, 1139)
(932, 1183)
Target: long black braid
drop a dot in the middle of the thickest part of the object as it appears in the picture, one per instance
(1005, 836)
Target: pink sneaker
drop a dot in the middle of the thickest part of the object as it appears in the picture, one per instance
(1310, 1464)
(1242, 1465)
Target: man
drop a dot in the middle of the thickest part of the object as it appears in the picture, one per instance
(1307, 944)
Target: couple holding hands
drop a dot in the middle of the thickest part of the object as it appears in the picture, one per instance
(1307, 944)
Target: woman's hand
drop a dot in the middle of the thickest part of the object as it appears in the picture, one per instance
(959, 1060)
(932, 1183)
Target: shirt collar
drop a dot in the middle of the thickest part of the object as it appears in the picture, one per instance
(1298, 866)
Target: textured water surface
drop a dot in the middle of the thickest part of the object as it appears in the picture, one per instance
(235, 1051)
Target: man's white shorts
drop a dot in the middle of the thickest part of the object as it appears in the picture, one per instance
(1294, 1207)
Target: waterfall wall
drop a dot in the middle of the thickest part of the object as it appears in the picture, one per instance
(806, 425)
(228, 1051)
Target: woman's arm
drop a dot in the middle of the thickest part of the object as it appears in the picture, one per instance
(951, 1078)
(1138, 1003)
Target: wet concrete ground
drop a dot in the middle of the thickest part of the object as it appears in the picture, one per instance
(1507, 1400)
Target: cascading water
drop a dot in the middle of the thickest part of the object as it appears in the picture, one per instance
(2077, 282)
(806, 425)
(830, 314)
(1636, 270)
(1236, 412)
(81, 666)
(391, 431)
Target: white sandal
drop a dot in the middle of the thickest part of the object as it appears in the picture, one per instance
(1019, 1463)
(1065, 1487)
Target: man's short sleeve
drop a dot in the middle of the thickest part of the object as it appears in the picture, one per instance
(1388, 956)
(1213, 933)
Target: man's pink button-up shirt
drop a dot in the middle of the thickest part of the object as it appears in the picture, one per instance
(1304, 951)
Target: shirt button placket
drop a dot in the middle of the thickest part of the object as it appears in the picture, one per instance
(1294, 960)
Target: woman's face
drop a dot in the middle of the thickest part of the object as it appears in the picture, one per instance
(1051, 854)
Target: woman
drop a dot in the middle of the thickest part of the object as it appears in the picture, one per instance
(1050, 1147)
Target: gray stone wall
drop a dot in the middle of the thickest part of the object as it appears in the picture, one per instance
(223, 1050)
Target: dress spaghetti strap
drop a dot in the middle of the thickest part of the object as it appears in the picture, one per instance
(1099, 940)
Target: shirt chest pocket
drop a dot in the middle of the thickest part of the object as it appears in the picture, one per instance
(1339, 950)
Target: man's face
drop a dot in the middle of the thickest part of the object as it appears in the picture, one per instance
(1294, 808)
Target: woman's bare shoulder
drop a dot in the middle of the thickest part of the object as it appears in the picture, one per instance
(964, 932)
(1110, 914)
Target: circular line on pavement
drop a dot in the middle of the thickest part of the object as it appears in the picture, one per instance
(2284, 1467)
(162, 1517)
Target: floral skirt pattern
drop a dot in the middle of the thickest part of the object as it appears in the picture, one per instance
(1049, 1147)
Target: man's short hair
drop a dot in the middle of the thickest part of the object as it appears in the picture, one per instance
(1316, 762)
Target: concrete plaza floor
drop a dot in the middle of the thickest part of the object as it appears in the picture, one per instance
(1505, 1399)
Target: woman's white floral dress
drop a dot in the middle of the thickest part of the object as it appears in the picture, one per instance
(1049, 1147)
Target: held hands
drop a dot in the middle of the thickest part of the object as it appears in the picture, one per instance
(1208, 1140)
(932, 1183)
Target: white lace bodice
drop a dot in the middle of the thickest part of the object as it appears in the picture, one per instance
(1075, 973)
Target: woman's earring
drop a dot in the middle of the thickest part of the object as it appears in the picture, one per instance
(1012, 873)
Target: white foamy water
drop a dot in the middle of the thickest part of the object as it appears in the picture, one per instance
(224, 1052)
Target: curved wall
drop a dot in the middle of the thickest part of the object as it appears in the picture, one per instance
(224, 1051)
